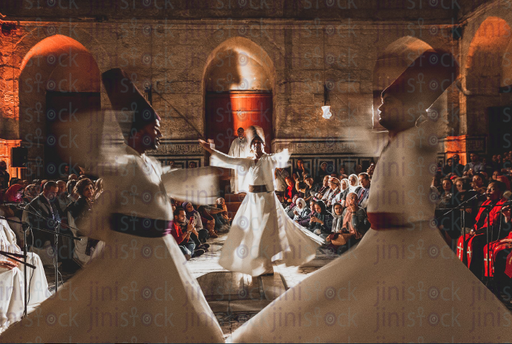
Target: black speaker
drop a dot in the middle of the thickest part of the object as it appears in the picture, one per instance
(19, 157)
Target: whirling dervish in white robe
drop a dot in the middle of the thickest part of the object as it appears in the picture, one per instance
(137, 287)
(261, 230)
(238, 149)
(12, 293)
(402, 283)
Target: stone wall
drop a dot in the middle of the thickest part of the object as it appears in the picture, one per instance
(308, 45)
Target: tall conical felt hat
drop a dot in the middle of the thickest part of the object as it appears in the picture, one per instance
(253, 132)
(425, 79)
(133, 110)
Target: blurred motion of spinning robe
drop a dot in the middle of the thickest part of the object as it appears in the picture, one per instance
(137, 288)
(402, 283)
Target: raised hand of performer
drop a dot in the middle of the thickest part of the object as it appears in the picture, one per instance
(206, 146)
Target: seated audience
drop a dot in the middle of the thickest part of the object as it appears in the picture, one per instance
(498, 257)
(487, 223)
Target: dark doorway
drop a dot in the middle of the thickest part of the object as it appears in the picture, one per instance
(62, 108)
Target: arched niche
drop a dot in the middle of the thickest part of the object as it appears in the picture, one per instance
(487, 77)
(238, 86)
(59, 85)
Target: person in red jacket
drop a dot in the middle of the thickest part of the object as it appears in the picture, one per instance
(181, 231)
(487, 220)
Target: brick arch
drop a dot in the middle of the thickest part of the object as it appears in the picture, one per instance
(61, 67)
(484, 61)
(238, 85)
(485, 72)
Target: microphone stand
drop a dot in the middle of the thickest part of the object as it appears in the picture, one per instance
(463, 220)
(56, 233)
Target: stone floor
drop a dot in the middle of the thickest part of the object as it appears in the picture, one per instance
(235, 297)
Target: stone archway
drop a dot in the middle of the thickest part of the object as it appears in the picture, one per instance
(238, 81)
(486, 83)
(59, 82)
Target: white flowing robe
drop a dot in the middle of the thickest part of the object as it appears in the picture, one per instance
(238, 149)
(261, 229)
(399, 284)
(12, 294)
(134, 289)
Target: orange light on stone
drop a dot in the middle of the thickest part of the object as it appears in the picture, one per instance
(456, 145)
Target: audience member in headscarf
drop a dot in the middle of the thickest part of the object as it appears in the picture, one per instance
(320, 221)
(291, 207)
(305, 222)
(340, 198)
(301, 210)
(353, 185)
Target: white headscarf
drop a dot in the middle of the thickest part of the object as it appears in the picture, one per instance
(352, 188)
